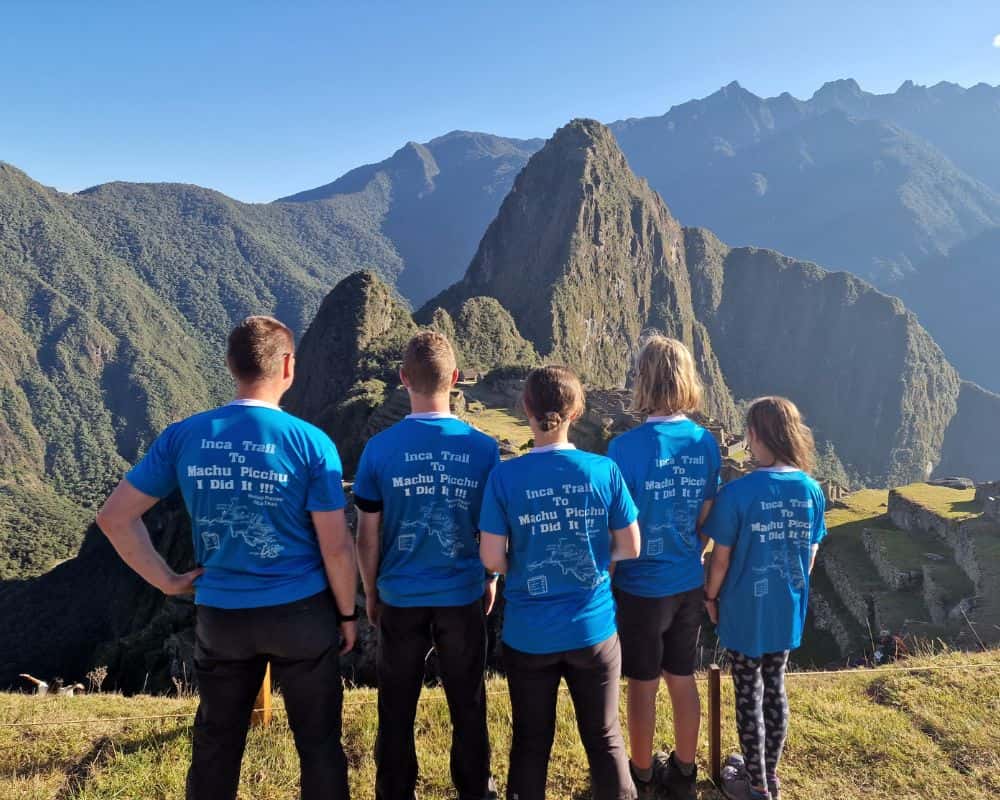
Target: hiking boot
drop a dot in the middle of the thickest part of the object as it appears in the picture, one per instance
(491, 790)
(646, 789)
(774, 787)
(736, 785)
(678, 786)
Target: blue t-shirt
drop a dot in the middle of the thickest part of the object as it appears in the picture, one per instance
(771, 519)
(250, 475)
(557, 508)
(429, 473)
(671, 467)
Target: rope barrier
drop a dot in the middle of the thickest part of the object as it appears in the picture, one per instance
(425, 698)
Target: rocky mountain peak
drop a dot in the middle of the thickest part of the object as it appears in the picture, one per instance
(586, 257)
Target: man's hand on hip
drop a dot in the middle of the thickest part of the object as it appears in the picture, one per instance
(181, 584)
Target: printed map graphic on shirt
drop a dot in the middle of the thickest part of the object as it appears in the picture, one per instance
(437, 521)
(571, 559)
(671, 466)
(236, 521)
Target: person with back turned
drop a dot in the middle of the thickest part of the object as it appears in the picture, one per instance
(418, 491)
(277, 575)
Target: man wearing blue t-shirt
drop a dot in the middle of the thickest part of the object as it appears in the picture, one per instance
(265, 495)
(418, 490)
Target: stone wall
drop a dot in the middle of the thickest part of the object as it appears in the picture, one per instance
(840, 576)
(909, 516)
(826, 619)
(894, 576)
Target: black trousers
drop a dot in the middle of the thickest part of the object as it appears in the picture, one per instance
(406, 635)
(592, 675)
(232, 649)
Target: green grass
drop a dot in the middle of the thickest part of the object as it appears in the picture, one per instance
(500, 424)
(955, 504)
(859, 734)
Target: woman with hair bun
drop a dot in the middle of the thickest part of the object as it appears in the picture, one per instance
(767, 527)
(553, 521)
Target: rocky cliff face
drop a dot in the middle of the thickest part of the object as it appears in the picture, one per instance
(348, 359)
(972, 440)
(865, 373)
(586, 256)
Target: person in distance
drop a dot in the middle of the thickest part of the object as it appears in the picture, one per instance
(277, 575)
(671, 467)
(766, 528)
(418, 491)
(553, 521)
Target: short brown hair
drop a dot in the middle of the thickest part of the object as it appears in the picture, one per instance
(666, 379)
(778, 424)
(256, 347)
(553, 395)
(429, 363)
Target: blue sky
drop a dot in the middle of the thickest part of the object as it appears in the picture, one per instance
(261, 99)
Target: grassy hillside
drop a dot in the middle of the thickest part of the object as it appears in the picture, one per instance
(929, 734)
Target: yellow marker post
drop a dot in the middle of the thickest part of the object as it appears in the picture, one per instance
(261, 716)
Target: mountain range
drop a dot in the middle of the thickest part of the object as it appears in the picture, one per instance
(115, 302)
(581, 260)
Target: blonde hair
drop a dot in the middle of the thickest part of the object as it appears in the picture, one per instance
(256, 347)
(778, 424)
(429, 363)
(553, 395)
(666, 379)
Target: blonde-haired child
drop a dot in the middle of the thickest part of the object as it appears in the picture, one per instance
(671, 467)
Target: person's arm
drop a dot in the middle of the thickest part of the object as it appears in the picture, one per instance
(337, 549)
(706, 509)
(625, 543)
(493, 552)
(369, 556)
(716, 576)
(121, 521)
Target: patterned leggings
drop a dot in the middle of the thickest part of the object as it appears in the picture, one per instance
(761, 711)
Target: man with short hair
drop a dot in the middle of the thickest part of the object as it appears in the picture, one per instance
(265, 495)
(418, 490)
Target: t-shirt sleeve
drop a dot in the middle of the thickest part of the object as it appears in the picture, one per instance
(723, 523)
(623, 511)
(714, 469)
(326, 478)
(366, 485)
(156, 474)
(819, 522)
(493, 514)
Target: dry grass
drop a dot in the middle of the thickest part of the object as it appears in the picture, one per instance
(930, 734)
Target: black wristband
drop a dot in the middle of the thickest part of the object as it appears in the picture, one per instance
(348, 617)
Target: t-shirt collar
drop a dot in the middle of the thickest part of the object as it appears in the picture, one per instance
(671, 418)
(782, 468)
(431, 415)
(548, 448)
(251, 403)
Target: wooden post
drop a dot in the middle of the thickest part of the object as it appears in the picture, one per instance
(715, 723)
(261, 716)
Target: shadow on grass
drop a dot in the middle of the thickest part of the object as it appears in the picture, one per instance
(964, 507)
(101, 754)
